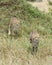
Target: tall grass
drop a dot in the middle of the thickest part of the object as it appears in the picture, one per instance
(18, 51)
(30, 15)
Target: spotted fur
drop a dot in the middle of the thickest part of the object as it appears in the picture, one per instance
(34, 39)
(13, 26)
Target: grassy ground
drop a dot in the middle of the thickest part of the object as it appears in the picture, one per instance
(18, 51)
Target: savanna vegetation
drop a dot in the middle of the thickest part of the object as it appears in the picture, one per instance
(17, 51)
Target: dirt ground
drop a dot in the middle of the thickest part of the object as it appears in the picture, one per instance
(43, 6)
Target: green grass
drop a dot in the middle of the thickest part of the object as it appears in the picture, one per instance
(28, 15)
(18, 51)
